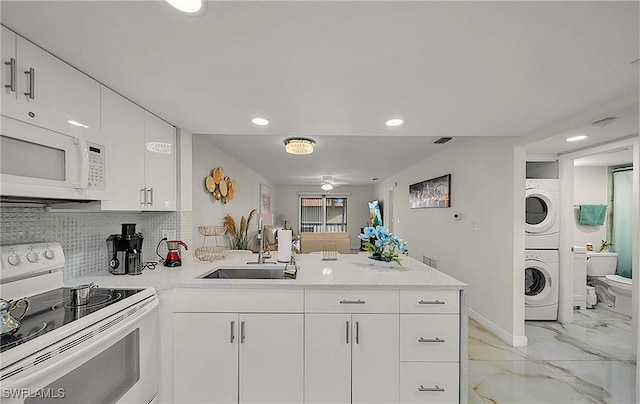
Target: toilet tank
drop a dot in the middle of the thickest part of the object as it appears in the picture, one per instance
(601, 263)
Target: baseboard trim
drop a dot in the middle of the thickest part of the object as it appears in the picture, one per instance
(513, 340)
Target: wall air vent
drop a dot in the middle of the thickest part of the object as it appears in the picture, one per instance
(442, 140)
(605, 121)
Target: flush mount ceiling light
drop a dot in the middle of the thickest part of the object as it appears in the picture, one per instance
(188, 6)
(260, 121)
(394, 122)
(299, 145)
(576, 138)
(326, 184)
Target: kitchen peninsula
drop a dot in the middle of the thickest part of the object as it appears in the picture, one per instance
(342, 331)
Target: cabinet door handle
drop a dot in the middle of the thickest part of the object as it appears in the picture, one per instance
(242, 332)
(143, 196)
(430, 302)
(32, 82)
(352, 301)
(436, 339)
(150, 191)
(437, 388)
(347, 328)
(12, 75)
(357, 332)
(233, 325)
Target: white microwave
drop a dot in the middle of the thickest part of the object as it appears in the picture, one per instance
(41, 163)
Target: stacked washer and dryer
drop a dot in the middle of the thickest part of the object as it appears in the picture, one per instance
(542, 241)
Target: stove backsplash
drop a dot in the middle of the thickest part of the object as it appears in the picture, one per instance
(83, 235)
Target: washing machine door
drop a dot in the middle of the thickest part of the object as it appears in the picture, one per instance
(540, 211)
(538, 284)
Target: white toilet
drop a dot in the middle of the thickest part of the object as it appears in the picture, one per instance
(612, 290)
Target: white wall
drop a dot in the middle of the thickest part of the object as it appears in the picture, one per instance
(590, 188)
(357, 208)
(207, 211)
(487, 189)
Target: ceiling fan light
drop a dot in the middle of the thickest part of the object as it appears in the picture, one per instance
(326, 186)
(299, 145)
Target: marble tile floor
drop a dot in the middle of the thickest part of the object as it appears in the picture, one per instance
(588, 361)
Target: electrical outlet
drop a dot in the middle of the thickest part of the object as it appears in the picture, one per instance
(169, 234)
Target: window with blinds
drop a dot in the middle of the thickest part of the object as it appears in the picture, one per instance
(323, 214)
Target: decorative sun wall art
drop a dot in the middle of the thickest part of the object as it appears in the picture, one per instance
(222, 187)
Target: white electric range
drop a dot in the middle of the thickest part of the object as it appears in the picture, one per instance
(105, 351)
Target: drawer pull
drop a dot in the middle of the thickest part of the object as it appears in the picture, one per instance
(352, 301)
(436, 339)
(437, 388)
(430, 302)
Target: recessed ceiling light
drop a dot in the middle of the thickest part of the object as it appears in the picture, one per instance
(187, 6)
(394, 122)
(260, 121)
(576, 138)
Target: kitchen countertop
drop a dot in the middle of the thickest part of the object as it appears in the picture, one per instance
(349, 271)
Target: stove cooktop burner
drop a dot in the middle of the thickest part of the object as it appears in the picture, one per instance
(51, 310)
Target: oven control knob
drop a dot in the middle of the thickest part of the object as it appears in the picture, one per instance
(32, 256)
(14, 259)
(49, 254)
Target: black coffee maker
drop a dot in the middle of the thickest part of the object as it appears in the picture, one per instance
(125, 251)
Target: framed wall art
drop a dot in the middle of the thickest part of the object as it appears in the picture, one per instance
(265, 199)
(433, 193)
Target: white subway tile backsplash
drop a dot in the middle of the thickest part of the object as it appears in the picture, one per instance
(83, 235)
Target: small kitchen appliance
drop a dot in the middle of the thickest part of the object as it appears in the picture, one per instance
(173, 256)
(125, 251)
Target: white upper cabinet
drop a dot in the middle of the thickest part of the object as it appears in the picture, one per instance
(45, 91)
(9, 71)
(141, 156)
(159, 164)
(123, 124)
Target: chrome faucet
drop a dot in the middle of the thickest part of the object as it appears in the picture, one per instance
(261, 240)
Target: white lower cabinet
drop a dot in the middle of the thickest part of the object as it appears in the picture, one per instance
(429, 382)
(429, 347)
(351, 358)
(238, 357)
(205, 358)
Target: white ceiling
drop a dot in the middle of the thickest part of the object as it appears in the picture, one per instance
(336, 71)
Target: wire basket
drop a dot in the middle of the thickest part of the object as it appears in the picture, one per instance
(211, 230)
(211, 253)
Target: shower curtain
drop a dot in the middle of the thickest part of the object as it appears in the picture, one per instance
(622, 226)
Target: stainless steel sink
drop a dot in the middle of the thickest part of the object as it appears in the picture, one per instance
(263, 271)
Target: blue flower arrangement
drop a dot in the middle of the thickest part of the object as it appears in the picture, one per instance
(383, 245)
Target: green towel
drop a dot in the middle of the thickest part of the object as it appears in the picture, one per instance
(592, 215)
